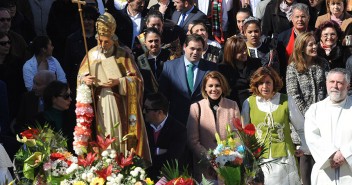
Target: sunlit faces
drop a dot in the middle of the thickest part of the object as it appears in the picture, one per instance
(193, 51)
(5, 45)
(300, 20)
(336, 7)
(179, 5)
(328, 37)
(337, 87)
(62, 102)
(5, 21)
(156, 23)
(200, 30)
(253, 34)
(213, 88)
(310, 48)
(266, 87)
(240, 17)
(152, 42)
(242, 55)
(105, 43)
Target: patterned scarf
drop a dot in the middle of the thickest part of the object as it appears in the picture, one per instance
(287, 9)
(216, 19)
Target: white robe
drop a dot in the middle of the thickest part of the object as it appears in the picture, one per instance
(328, 128)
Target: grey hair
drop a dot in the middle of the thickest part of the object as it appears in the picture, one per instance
(46, 75)
(302, 7)
(341, 71)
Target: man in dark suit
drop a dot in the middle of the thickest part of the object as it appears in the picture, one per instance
(167, 137)
(186, 13)
(130, 23)
(181, 78)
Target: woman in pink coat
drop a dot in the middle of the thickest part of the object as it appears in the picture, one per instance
(207, 117)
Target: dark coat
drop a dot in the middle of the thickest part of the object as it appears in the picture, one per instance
(274, 20)
(173, 138)
(335, 58)
(124, 25)
(173, 84)
(195, 14)
(239, 80)
(29, 108)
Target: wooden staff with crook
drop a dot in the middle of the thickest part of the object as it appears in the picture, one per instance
(80, 3)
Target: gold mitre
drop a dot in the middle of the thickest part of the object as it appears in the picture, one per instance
(106, 25)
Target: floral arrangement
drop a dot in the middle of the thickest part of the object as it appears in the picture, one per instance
(227, 157)
(253, 150)
(84, 117)
(240, 150)
(107, 167)
(40, 147)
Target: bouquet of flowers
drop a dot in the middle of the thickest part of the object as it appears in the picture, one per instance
(40, 145)
(237, 158)
(253, 151)
(106, 166)
(227, 157)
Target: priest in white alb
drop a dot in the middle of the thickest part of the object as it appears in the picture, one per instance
(328, 131)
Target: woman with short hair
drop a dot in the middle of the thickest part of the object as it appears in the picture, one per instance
(207, 117)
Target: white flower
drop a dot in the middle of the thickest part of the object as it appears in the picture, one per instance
(138, 169)
(90, 175)
(84, 176)
(142, 177)
(105, 153)
(134, 173)
(108, 161)
(120, 175)
(109, 183)
(112, 156)
(113, 151)
(72, 168)
(109, 178)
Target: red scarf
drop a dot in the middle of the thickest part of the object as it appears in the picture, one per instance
(291, 44)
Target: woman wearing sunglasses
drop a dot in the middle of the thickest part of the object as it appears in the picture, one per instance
(57, 112)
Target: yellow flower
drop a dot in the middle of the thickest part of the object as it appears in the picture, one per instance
(79, 183)
(226, 152)
(149, 181)
(97, 181)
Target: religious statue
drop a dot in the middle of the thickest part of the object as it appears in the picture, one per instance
(118, 90)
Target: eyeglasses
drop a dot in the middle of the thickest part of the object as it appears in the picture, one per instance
(5, 19)
(65, 96)
(3, 43)
(146, 110)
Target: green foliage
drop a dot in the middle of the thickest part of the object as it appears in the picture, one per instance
(171, 170)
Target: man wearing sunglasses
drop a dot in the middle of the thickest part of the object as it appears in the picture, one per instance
(167, 136)
(18, 44)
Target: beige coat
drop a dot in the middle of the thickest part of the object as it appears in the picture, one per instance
(326, 17)
(201, 136)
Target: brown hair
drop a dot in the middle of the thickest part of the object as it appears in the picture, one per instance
(297, 56)
(329, 1)
(260, 74)
(233, 46)
(223, 83)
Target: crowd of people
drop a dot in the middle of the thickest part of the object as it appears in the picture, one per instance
(172, 75)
